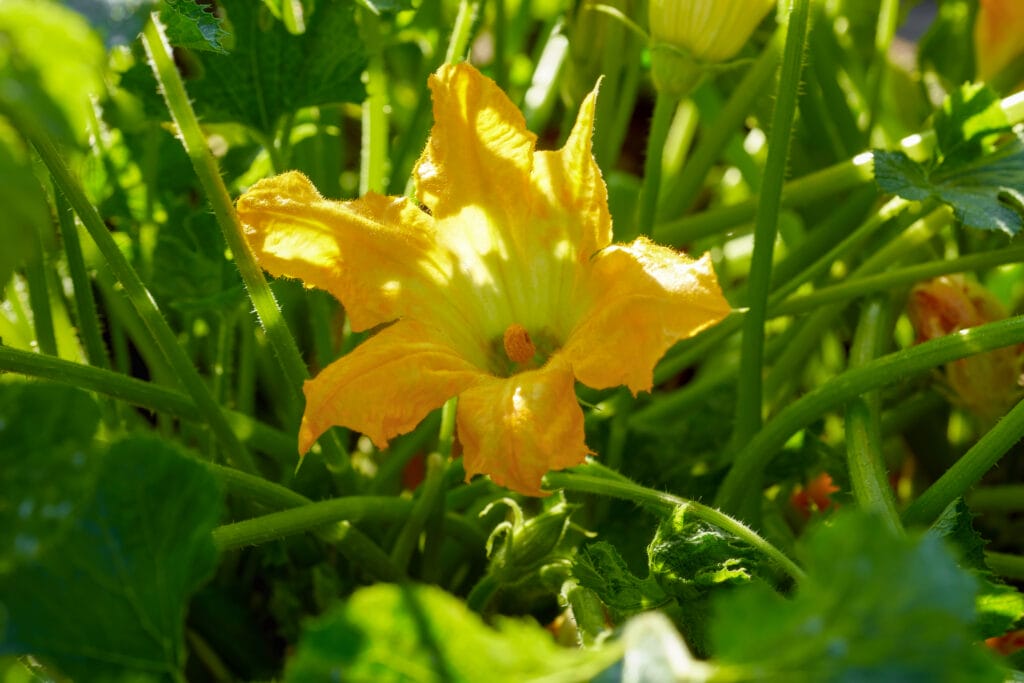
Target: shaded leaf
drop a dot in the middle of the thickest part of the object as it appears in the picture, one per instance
(109, 600)
(946, 48)
(47, 470)
(270, 72)
(600, 568)
(874, 606)
(193, 26)
(26, 209)
(421, 633)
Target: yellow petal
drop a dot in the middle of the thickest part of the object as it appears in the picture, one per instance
(571, 200)
(386, 385)
(646, 298)
(998, 32)
(479, 153)
(377, 254)
(517, 429)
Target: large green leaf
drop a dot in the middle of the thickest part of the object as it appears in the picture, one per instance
(873, 607)
(420, 633)
(977, 169)
(47, 468)
(270, 72)
(108, 600)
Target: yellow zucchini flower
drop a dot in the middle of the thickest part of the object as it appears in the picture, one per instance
(503, 290)
(998, 36)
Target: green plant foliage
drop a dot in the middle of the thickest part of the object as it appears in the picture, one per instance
(978, 177)
(270, 72)
(600, 568)
(947, 48)
(874, 606)
(999, 605)
(193, 26)
(44, 80)
(107, 600)
(25, 205)
(47, 467)
(420, 633)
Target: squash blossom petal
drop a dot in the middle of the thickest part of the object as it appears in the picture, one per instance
(503, 292)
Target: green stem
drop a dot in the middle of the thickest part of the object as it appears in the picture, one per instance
(361, 551)
(458, 45)
(480, 595)
(85, 304)
(750, 394)
(257, 489)
(39, 297)
(863, 424)
(280, 338)
(885, 31)
(374, 156)
(681, 194)
(970, 468)
(143, 394)
(750, 461)
(580, 480)
(895, 279)
(665, 105)
(310, 517)
(1005, 565)
(1007, 498)
(137, 293)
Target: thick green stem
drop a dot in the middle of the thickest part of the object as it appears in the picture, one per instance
(280, 338)
(665, 105)
(1007, 498)
(458, 45)
(751, 381)
(1005, 565)
(581, 480)
(362, 552)
(374, 156)
(310, 517)
(85, 304)
(863, 424)
(744, 477)
(970, 468)
(39, 297)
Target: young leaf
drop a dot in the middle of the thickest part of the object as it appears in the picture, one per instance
(193, 26)
(980, 180)
(271, 72)
(421, 633)
(600, 568)
(874, 606)
(108, 600)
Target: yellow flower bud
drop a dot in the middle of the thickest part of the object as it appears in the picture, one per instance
(687, 33)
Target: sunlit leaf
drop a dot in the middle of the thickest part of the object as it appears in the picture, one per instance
(192, 25)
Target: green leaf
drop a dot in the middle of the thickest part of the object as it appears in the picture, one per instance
(118, 21)
(48, 80)
(600, 568)
(947, 47)
(108, 601)
(271, 72)
(47, 471)
(193, 26)
(292, 13)
(384, 6)
(421, 633)
(689, 556)
(978, 168)
(999, 605)
(874, 606)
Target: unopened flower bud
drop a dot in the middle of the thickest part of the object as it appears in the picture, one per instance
(687, 34)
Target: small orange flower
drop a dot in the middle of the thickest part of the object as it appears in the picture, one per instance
(503, 293)
(815, 497)
(986, 384)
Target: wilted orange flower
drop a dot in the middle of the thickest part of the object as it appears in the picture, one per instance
(503, 291)
(815, 497)
(998, 36)
(986, 384)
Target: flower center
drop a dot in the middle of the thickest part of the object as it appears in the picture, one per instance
(518, 346)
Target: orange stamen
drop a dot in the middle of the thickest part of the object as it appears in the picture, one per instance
(518, 346)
